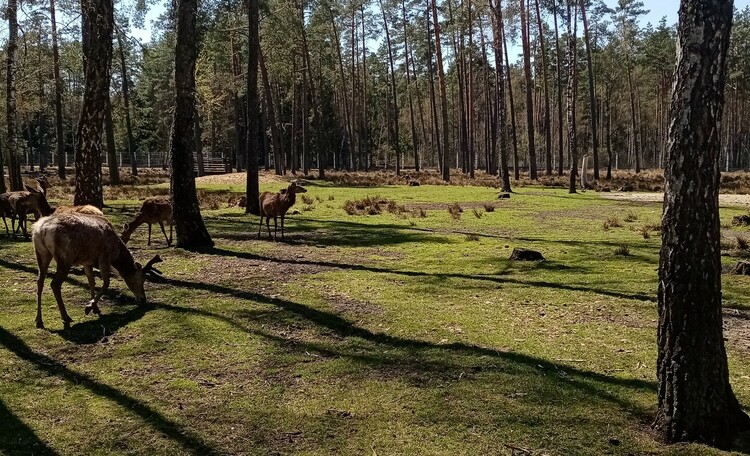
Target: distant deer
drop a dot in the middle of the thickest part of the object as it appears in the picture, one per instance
(157, 209)
(276, 205)
(88, 240)
(5, 210)
(32, 201)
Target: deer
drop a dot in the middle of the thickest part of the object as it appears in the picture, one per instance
(157, 209)
(90, 241)
(85, 209)
(276, 205)
(26, 202)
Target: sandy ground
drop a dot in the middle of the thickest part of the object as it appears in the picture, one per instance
(239, 178)
(724, 200)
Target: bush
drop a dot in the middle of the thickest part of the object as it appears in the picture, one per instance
(476, 213)
(612, 222)
(307, 200)
(622, 250)
(631, 217)
(455, 211)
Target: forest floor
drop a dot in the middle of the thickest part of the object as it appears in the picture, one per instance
(407, 332)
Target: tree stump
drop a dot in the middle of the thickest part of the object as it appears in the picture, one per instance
(520, 254)
(503, 196)
(741, 268)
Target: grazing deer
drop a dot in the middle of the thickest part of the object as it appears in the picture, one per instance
(32, 201)
(276, 205)
(157, 209)
(90, 241)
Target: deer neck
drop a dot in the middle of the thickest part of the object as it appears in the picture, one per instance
(123, 261)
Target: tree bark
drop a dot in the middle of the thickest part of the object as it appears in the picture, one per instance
(443, 96)
(191, 231)
(275, 133)
(414, 141)
(253, 109)
(696, 402)
(572, 96)
(529, 89)
(395, 143)
(14, 163)
(592, 93)
(514, 136)
(547, 118)
(98, 24)
(59, 132)
(560, 143)
(498, 42)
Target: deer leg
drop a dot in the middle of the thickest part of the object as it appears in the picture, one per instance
(268, 226)
(260, 225)
(282, 227)
(104, 269)
(89, 271)
(56, 285)
(275, 227)
(43, 264)
(161, 224)
(169, 244)
(149, 235)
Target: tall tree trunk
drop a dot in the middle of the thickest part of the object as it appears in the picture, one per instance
(275, 133)
(443, 95)
(253, 109)
(198, 133)
(633, 115)
(98, 23)
(470, 97)
(514, 135)
(608, 113)
(433, 100)
(14, 162)
(547, 118)
(696, 402)
(499, 44)
(529, 89)
(560, 144)
(572, 96)
(396, 143)
(191, 231)
(59, 132)
(414, 141)
(126, 105)
(240, 123)
(114, 169)
(592, 93)
(348, 117)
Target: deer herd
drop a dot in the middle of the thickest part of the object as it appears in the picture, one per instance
(83, 236)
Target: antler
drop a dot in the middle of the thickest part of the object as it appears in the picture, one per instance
(150, 265)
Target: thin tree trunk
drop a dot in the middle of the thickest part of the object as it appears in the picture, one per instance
(395, 141)
(529, 89)
(14, 163)
(275, 133)
(126, 103)
(560, 143)
(414, 141)
(499, 44)
(253, 109)
(59, 132)
(547, 118)
(514, 135)
(348, 118)
(443, 96)
(98, 24)
(572, 96)
(696, 402)
(592, 93)
(191, 231)
(433, 100)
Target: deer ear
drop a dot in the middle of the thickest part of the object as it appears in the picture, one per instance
(151, 262)
(32, 190)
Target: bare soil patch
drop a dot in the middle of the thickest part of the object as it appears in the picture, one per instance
(725, 200)
(737, 329)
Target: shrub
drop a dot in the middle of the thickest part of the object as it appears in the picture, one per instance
(455, 211)
(631, 217)
(611, 222)
(307, 199)
(476, 213)
(622, 250)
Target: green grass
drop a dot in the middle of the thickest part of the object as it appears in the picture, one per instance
(384, 334)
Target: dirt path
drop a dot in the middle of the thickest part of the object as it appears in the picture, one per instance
(725, 200)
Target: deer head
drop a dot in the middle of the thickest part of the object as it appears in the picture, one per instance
(295, 187)
(137, 278)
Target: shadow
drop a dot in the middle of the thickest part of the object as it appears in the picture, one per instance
(18, 438)
(405, 356)
(185, 438)
(441, 276)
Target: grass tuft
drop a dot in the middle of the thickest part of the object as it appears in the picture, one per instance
(622, 250)
(611, 222)
(477, 213)
(489, 208)
(631, 217)
(455, 211)
(472, 237)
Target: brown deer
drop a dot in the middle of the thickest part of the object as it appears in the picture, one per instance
(31, 201)
(276, 205)
(157, 209)
(5, 210)
(90, 241)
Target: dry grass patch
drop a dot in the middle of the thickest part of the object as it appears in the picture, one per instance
(611, 222)
(455, 211)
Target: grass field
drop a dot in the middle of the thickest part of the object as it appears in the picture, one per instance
(400, 333)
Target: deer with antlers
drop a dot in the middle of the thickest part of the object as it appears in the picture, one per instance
(90, 241)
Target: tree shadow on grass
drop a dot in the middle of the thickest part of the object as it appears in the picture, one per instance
(405, 356)
(16, 437)
(440, 276)
(170, 429)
